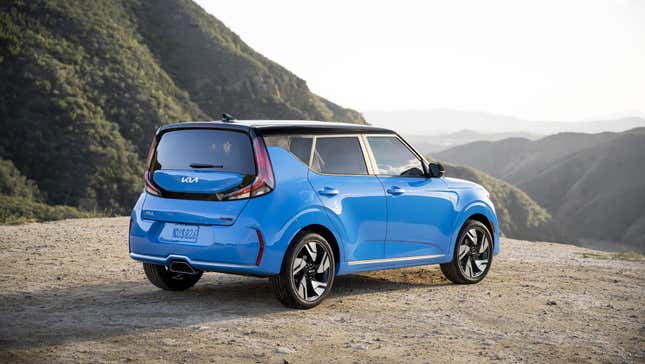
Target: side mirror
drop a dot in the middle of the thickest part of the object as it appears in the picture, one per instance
(436, 170)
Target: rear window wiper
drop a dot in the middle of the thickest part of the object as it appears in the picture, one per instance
(205, 165)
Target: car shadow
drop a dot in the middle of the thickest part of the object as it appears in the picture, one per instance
(60, 315)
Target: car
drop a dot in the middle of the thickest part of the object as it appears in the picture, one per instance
(301, 202)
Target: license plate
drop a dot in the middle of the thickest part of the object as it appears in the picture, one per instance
(180, 232)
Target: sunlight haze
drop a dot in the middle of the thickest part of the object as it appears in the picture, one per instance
(541, 60)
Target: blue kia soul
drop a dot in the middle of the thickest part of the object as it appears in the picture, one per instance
(301, 202)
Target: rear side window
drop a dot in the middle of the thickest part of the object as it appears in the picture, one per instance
(339, 155)
(393, 158)
(205, 149)
(300, 146)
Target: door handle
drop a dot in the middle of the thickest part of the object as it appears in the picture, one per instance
(328, 191)
(395, 190)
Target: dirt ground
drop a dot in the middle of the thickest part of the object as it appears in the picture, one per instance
(69, 292)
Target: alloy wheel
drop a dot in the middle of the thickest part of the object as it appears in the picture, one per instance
(474, 253)
(311, 271)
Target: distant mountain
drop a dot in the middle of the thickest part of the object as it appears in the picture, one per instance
(442, 121)
(433, 143)
(519, 216)
(86, 83)
(592, 184)
(517, 160)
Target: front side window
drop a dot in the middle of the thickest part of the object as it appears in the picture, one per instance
(339, 155)
(393, 158)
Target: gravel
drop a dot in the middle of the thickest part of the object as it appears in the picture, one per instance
(69, 292)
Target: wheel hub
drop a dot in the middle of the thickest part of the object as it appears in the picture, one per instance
(310, 270)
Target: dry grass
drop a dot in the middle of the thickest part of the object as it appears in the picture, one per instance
(628, 256)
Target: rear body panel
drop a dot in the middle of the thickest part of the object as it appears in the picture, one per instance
(191, 211)
(356, 206)
(373, 230)
(203, 182)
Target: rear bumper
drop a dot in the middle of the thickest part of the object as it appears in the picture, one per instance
(199, 264)
(219, 248)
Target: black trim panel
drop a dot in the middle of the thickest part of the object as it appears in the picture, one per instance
(321, 129)
(268, 128)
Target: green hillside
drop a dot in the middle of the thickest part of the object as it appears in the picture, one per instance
(85, 83)
(598, 194)
(519, 216)
(592, 184)
(22, 201)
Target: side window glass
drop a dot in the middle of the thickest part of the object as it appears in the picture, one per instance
(339, 155)
(300, 146)
(393, 158)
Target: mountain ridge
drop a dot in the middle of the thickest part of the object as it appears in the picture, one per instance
(86, 84)
(443, 121)
(590, 183)
(434, 143)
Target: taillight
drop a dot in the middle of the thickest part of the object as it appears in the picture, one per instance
(263, 182)
(150, 188)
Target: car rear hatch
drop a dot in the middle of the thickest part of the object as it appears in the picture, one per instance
(204, 175)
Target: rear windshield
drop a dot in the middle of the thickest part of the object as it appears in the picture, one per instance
(205, 149)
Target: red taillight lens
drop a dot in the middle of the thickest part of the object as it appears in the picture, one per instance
(150, 188)
(263, 182)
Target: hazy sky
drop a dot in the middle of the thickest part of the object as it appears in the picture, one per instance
(555, 60)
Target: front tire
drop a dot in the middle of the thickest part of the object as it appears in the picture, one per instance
(473, 254)
(160, 276)
(307, 273)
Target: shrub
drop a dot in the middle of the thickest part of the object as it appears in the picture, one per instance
(18, 210)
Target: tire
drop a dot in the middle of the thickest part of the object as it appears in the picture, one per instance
(160, 276)
(473, 254)
(304, 271)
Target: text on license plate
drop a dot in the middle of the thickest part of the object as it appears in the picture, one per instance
(185, 233)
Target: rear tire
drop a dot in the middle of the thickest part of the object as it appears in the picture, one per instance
(307, 273)
(473, 254)
(160, 276)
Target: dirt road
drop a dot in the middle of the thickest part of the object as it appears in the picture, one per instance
(69, 292)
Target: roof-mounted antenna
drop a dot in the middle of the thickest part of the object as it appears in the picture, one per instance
(227, 118)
